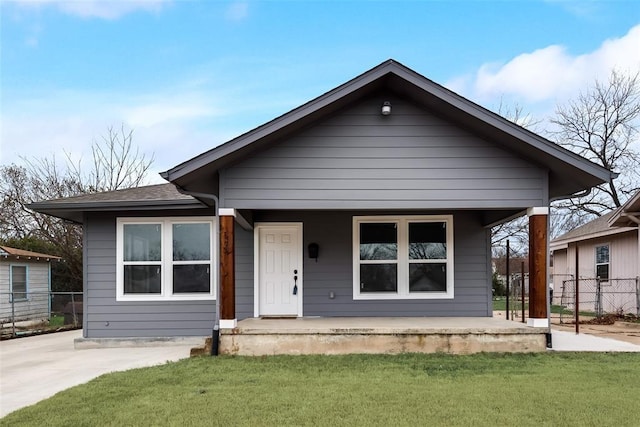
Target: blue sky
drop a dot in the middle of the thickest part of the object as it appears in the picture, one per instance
(188, 75)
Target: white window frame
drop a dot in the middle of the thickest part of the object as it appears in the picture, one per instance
(596, 263)
(166, 262)
(26, 284)
(403, 260)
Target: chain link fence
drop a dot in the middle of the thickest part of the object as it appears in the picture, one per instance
(595, 297)
(37, 312)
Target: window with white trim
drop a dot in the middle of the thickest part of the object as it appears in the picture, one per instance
(403, 257)
(165, 259)
(18, 279)
(602, 262)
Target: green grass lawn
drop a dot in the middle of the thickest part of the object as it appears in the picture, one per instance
(546, 389)
(56, 320)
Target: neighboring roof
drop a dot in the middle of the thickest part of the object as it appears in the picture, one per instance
(515, 265)
(569, 172)
(627, 215)
(7, 252)
(599, 227)
(150, 197)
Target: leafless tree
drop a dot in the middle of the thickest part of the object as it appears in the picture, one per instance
(116, 164)
(516, 230)
(601, 124)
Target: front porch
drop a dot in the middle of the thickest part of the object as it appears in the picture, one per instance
(344, 335)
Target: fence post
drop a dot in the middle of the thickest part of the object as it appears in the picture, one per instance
(638, 295)
(522, 289)
(598, 306)
(577, 297)
(508, 280)
(13, 315)
(73, 309)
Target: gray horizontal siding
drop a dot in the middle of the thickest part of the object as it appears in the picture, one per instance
(333, 270)
(36, 305)
(244, 273)
(361, 160)
(105, 317)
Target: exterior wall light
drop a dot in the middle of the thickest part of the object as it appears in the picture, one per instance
(386, 108)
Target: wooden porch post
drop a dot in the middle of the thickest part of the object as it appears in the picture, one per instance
(227, 270)
(538, 249)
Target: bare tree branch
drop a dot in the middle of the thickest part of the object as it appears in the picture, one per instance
(116, 164)
(601, 124)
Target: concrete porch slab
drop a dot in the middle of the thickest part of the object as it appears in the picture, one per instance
(343, 335)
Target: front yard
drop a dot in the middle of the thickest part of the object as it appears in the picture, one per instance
(410, 389)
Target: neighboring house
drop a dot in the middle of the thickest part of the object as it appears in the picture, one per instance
(608, 252)
(374, 199)
(516, 271)
(25, 283)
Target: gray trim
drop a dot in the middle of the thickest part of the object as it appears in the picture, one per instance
(85, 280)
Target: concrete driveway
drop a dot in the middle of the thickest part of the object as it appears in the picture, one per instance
(35, 368)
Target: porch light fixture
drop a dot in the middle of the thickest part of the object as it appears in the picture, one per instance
(386, 108)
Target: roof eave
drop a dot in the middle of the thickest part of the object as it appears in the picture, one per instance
(604, 233)
(74, 212)
(619, 219)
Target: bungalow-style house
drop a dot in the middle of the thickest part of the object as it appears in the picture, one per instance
(25, 283)
(608, 251)
(373, 201)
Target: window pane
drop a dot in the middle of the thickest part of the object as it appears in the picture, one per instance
(428, 277)
(602, 271)
(378, 277)
(142, 279)
(602, 254)
(427, 240)
(191, 242)
(19, 281)
(142, 242)
(378, 241)
(191, 278)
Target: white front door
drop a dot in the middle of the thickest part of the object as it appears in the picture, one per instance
(279, 269)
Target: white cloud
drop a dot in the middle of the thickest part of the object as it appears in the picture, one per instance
(586, 9)
(69, 121)
(550, 73)
(104, 9)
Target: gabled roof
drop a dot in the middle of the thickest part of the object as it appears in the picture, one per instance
(150, 197)
(13, 253)
(569, 172)
(627, 215)
(598, 227)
